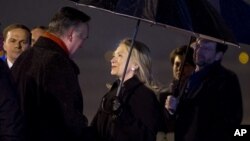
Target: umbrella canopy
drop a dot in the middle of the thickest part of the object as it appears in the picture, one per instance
(237, 16)
(197, 16)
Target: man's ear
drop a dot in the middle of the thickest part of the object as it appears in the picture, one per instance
(4, 47)
(70, 34)
(219, 56)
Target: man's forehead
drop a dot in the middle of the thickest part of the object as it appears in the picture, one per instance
(18, 31)
(203, 42)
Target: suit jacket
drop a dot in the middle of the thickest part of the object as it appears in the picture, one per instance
(211, 106)
(51, 97)
(4, 58)
(11, 121)
(138, 118)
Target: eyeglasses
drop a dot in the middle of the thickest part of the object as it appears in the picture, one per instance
(205, 47)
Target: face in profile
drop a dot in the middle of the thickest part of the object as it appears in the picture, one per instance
(204, 52)
(79, 36)
(36, 33)
(17, 41)
(187, 70)
(118, 63)
(118, 60)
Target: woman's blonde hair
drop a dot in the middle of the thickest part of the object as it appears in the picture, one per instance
(141, 56)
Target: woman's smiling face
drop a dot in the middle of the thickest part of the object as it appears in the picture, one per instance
(118, 60)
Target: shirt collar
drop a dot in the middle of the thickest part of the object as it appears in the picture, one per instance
(10, 64)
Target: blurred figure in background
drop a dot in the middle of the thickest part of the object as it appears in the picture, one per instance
(11, 119)
(17, 38)
(177, 58)
(36, 32)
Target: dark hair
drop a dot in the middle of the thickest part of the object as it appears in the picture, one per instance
(15, 26)
(40, 27)
(65, 18)
(181, 51)
(221, 47)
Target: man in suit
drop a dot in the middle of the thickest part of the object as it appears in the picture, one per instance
(36, 33)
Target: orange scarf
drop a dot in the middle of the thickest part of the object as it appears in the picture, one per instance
(57, 40)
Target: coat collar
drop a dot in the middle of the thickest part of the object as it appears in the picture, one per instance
(57, 40)
(128, 85)
(198, 79)
(49, 44)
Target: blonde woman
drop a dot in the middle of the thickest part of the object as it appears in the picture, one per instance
(138, 115)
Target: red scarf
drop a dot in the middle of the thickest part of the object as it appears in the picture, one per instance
(57, 40)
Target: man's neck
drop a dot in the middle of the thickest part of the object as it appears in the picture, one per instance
(201, 67)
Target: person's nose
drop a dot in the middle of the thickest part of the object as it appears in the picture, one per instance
(18, 45)
(179, 67)
(112, 60)
(197, 51)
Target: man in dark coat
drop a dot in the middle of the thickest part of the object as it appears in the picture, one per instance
(47, 80)
(11, 121)
(182, 67)
(211, 105)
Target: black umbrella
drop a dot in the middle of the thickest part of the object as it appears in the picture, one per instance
(236, 13)
(197, 17)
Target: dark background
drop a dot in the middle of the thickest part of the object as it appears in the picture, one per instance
(106, 30)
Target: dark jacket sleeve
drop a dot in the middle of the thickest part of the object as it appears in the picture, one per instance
(11, 123)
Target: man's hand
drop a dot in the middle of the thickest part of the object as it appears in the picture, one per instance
(171, 104)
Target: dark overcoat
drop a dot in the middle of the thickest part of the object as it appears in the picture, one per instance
(138, 119)
(211, 106)
(51, 97)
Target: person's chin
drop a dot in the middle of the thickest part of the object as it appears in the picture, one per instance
(201, 64)
(112, 73)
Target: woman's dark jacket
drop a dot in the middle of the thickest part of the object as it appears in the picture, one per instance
(211, 107)
(138, 119)
(51, 97)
